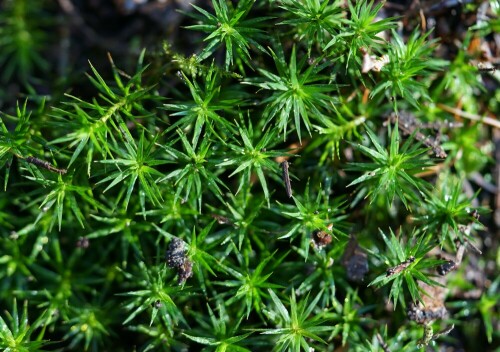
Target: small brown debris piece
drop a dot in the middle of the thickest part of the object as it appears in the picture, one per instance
(185, 271)
(445, 268)
(400, 267)
(221, 219)
(355, 261)
(83, 243)
(321, 238)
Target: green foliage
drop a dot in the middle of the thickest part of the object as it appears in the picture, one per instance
(360, 30)
(486, 307)
(230, 27)
(392, 171)
(23, 37)
(88, 125)
(406, 62)
(62, 193)
(314, 213)
(16, 333)
(314, 21)
(225, 338)
(472, 155)
(189, 178)
(296, 92)
(206, 106)
(137, 164)
(298, 328)
(332, 134)
(65, 282)
(349, 319)
(253, 156)
(250, 285)
(87, 326)
(380, 342)
(153, 293)
(409, 262)
(14, 142)
(14, 265)
(461, 79)
(491, 23)
(147, 205)
(447, 209)
(199, 253)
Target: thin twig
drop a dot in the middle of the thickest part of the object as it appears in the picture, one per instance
(487, 120)
(382, 343)
(45, 164)
(408, 124)
(286, 178)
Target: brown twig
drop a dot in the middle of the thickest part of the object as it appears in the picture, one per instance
(286, 178)
(44, 164)
(474, 117)
(408, 124)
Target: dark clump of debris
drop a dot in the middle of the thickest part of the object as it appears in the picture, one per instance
(176, 258)
(355, 261)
